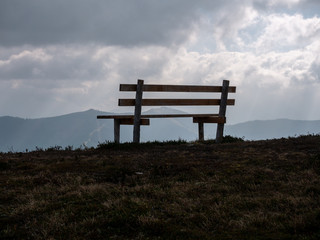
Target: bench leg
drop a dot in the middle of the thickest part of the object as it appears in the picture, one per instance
(201, 134)
(219, 135)
(116, 130)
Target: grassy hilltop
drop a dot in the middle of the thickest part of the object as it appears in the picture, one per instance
(242, 190)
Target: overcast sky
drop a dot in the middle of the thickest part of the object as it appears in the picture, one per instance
(64, 56)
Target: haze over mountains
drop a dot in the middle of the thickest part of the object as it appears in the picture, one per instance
(83, 129)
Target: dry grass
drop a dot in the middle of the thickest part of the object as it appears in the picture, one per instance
(245, 190)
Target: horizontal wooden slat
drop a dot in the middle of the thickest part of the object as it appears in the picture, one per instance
(209, 120)
(176, 115)
(174, 102)
(129, 121)
(114, 116)
(156, 116)
(175, 88)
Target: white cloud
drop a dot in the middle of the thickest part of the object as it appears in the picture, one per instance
(246, 29)
(23, 64)
(230, 22)
(262, 79)
(286, 32)
(49, 64)
(72, 78)
(270, 85)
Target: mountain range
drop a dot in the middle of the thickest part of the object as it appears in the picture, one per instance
(84, 129)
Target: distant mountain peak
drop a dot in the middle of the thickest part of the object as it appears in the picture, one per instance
(164, 110)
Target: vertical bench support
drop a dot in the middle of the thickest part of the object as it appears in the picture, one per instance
(116, 130)
(137, 112)
(222, 110)
(201, 131)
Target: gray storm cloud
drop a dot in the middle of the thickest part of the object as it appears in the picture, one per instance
(121, 22)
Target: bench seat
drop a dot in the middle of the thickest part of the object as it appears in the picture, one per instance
(156, 116)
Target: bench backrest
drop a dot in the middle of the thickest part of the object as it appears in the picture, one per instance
(175, 88)
(138, 102)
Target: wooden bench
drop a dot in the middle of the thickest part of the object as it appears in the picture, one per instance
(137, 119)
